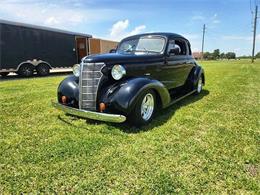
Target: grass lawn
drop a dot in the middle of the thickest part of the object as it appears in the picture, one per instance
(204, 144)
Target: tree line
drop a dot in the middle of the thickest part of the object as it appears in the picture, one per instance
(215, 55)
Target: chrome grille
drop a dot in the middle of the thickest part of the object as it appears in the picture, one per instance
(90, 77)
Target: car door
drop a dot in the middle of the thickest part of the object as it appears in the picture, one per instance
(175, 68)
(190, 63)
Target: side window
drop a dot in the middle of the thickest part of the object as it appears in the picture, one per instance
(178, 44)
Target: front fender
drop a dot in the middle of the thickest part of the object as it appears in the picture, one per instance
(123, 96)
(69, 88)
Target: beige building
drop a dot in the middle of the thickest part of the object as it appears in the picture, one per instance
(97, 46)
(197, 55)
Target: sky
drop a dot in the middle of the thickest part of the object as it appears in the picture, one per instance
(228, 22)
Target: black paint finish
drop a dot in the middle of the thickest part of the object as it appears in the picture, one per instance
(164, 73)
(69, 88)
(123, 95)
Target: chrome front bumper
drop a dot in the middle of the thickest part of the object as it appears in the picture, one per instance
(115, 118)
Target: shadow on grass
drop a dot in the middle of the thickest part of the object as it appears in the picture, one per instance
(163, 115)
(160, 117)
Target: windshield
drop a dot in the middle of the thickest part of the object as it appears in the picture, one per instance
(146, 44)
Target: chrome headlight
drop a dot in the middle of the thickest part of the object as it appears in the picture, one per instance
(76, 70)
(117, 72)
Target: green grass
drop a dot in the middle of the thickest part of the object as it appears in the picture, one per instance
(204, 144)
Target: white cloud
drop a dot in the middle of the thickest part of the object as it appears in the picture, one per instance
(210, 21)
(64, 15)
(192, 36)
(51, 21)
(237, 50)
(119, 30)
(198, 17)
(241, 38)
(216, 21)
(138, 30)
(236, 37)
(214, 16)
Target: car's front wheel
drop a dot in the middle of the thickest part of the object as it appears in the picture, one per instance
(144, 109)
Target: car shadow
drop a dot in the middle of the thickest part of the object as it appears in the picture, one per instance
(17, 77)
(162, 115)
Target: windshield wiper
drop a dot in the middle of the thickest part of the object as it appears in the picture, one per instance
(129, 49)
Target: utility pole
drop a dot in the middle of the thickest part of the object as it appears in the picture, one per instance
(203, 39)
(255, 23)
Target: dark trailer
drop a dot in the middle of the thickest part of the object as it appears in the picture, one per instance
(26, 48)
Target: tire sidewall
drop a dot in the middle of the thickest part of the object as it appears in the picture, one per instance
(43, 70)
(198, 91)
(135, 116)
(25, 67)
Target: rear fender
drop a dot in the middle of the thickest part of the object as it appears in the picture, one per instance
(197, 72)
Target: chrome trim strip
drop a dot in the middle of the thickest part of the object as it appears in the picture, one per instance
(115, 118)
(92, 71)
(89, 86)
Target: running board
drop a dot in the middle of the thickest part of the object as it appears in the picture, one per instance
(180, 98)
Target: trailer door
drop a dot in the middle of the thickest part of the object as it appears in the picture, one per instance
(81, 48)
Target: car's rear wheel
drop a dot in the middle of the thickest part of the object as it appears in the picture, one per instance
(144, 109)
(26, 70)
(43, 70)
(199, 85)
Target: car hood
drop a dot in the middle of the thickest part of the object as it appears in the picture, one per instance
(112, 58)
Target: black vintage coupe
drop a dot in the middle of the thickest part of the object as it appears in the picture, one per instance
(145, 73)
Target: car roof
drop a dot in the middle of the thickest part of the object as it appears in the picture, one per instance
(166, 34)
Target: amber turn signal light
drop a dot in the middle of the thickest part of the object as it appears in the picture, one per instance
(64, 99)
(102, 107)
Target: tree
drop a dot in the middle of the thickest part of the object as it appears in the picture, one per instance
(206, 55)
(257, 55)
(222, 55)
(230, 55)
(216, 54)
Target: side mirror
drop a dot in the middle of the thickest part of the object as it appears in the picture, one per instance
(175, 51)
(112, 51)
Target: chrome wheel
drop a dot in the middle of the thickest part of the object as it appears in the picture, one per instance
(147, 107)
(200, 84)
